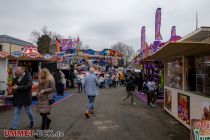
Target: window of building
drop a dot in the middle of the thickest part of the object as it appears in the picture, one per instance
(174, 76)
(203, 75)
(1, 47)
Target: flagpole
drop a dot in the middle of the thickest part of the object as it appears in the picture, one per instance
(196, 20)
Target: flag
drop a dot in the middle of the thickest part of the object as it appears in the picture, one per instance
(143, 37)
(173, 31)
(158, 24)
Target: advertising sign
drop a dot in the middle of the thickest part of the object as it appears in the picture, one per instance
(200, 130)
(184, 108)
(4, 54)
(17, 54)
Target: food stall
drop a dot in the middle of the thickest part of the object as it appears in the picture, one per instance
(3, 78)
(187, 76)
(29, 58)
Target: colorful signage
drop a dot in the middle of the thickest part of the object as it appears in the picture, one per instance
(200, 130)
(32, 55)
(184, 108)
(47, 56)
(17, 54)
(4, 54)
(67, 44)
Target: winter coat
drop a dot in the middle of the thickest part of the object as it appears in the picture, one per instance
(91, 84)
(23, 93)
(130, 84)
(43, 99)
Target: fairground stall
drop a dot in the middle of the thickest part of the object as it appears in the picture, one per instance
(187, 76)
(29, 58)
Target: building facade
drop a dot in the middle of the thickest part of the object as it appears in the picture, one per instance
(10, 44)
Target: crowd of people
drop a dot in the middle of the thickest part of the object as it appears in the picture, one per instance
(89, 84)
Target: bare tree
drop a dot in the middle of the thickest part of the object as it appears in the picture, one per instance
(124, 49)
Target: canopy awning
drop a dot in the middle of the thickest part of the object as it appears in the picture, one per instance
(179, 49)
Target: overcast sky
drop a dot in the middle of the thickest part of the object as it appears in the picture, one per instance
(101, 23)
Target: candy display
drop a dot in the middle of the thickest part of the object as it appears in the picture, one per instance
(174, 74)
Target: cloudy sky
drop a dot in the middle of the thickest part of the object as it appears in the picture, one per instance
(101, 23)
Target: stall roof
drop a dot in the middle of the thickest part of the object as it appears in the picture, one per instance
(198, 35)
(12, 40)
(179, 49)
(23, 58)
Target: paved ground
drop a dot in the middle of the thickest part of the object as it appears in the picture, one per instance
(114, 120)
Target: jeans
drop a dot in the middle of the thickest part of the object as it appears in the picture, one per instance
(17, 112)
(91, 103)
(129, 93)
(106, 83)
(45, 120)
(60, 89)
(79, 87)
(151, 97)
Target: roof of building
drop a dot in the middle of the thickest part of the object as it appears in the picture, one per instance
(12, 40)
(198, 35)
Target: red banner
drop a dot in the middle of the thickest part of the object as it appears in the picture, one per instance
(158, 24)
(173, 31)
(143, 37)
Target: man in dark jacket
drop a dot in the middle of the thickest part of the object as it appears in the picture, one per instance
(130, 88)
(22, 85)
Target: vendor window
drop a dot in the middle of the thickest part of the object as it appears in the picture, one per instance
(203, 75)
(174, 76)
(190, 74)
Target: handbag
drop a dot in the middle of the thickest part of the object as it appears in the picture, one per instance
(51, 101)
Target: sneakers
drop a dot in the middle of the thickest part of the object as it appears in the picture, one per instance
(133, 103)
(32, 125)
(87, 114)
(152, 105)
(123, 99)
(91, 111)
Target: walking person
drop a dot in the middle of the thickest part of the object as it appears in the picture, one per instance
(72, 78)
(101, 81)
(144, 87)
(45, 97)
(117, 79)
(59, 81)
(79, 80)
(140, 82)
(122, 79)
(130, 87)
(106, 80)
(114, 81)
(110, 81)
(91, 85)
(22, 85)
(151, 97)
